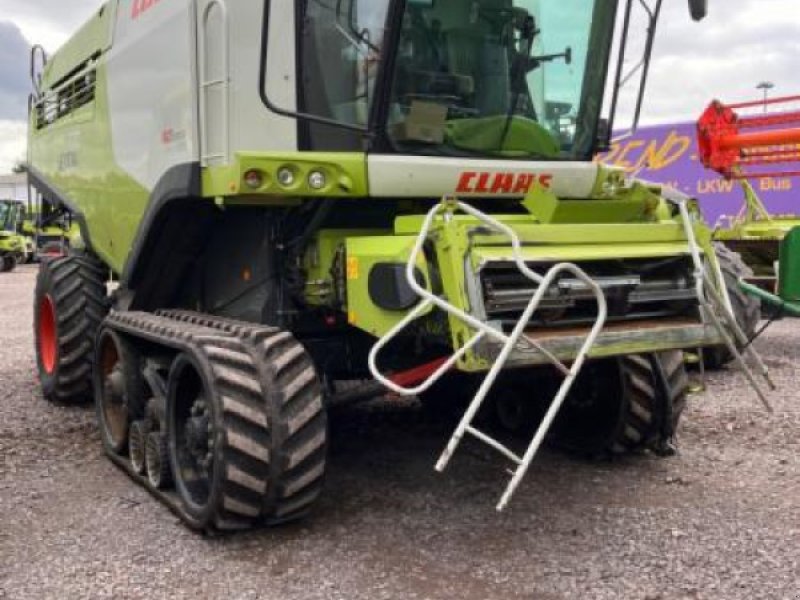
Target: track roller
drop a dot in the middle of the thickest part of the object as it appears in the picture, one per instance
(157, 460)
(137, 442)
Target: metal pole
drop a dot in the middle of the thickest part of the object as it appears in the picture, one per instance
(766, 86)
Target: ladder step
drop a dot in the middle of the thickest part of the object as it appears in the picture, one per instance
(494, 444)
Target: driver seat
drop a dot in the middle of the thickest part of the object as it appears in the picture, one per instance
(477, 58)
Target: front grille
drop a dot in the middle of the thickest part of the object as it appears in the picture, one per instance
(634, 289)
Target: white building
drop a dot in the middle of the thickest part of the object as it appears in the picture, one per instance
(14, 187)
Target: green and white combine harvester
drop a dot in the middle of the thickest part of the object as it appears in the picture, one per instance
(275, 197)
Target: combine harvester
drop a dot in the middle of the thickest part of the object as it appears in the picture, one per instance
(746, 148)
(264, 184)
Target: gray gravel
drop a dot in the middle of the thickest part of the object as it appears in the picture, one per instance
(720, 521)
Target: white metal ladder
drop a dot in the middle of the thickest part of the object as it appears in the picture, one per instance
(717, 308)
(509, 342)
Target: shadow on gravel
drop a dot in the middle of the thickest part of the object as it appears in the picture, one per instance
(381, 478)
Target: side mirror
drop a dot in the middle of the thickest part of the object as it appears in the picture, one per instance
(699, 9)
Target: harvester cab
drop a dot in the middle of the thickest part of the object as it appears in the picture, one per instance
(13, 248)
(294, 194)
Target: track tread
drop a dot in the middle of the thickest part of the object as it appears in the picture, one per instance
(270, 400)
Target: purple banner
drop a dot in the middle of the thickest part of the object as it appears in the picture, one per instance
(668, 154)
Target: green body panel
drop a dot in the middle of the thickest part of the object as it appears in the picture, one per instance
(75, 154)
(789, 277)
(463, 247)
(363, 253)
(11, 243)
(530, 232)
(637, 203)
(345, 173)
(91, 40)
(321, 257)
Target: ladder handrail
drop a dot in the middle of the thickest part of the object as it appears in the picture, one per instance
(721, 300)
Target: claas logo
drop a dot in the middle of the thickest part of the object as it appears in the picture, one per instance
(473, 182)
(142, 6)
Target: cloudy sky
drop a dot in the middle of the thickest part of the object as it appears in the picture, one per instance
(742, 43)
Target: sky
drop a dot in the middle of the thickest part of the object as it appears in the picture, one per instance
(742, 43)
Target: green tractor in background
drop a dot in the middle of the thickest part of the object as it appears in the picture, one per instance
(35, 229)
(14, 247)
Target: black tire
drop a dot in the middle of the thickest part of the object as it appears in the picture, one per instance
(267, 445)
(447, 399)
(625, 405)
(70, 302)
(8, 263)
(746, 309)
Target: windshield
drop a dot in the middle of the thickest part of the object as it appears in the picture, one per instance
(6, 216)
(501, 78)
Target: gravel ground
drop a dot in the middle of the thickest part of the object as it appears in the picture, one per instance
(719, 521)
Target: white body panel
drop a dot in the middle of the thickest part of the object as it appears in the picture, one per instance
(253, 126)
(151, 90)
(154, 89)
(426, 176)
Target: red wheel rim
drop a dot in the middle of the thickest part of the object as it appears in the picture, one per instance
(48, 348)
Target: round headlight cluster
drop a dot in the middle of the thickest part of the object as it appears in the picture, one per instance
(286, 177)
(317, 180)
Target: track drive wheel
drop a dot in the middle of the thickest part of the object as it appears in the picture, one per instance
(247, 432)
(625, 405)
(69, 304)
(746, 309)
(119, 389)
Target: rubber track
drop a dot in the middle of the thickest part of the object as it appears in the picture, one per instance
(643, 423)
(272, 409)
